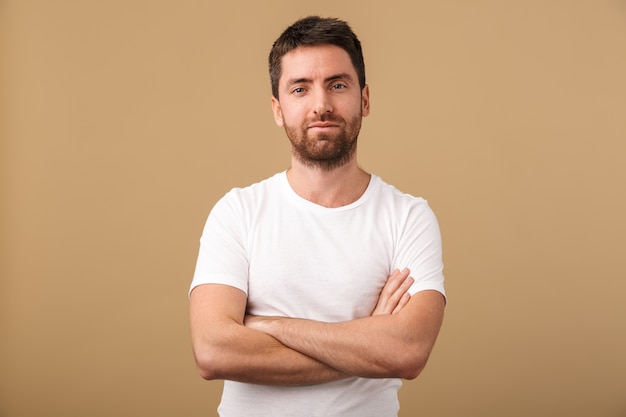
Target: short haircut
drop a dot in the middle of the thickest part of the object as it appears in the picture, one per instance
(315, 30)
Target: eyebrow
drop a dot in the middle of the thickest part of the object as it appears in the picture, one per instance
(304, 80)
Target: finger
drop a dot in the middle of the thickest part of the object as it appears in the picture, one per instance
(400, 292)
(398, 288)
(406, 284)
(394, 282)
(392, 294)
(385, 302)
(403, 301)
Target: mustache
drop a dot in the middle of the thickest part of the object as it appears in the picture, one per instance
(326, 117)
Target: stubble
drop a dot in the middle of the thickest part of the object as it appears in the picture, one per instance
(325, 151)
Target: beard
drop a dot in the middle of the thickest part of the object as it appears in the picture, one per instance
(325, 151)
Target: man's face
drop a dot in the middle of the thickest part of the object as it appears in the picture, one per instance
(320, 105)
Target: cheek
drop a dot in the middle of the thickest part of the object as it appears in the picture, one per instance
(290, 116)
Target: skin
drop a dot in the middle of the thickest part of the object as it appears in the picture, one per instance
(225, 348)
(319, 100)
(320, 105)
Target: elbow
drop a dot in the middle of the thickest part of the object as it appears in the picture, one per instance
(207, 366)
(412, 371)
(206, 372)
(205, 369)
(410, 366)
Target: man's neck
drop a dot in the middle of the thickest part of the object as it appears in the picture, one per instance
(329, 188)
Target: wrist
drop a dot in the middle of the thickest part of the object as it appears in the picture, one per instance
(267, 325)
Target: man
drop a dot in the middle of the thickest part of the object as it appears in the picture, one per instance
(302, 299)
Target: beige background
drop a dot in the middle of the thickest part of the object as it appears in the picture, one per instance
(124, 121)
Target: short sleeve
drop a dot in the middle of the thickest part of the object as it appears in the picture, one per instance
(222, 258)
(419, 248)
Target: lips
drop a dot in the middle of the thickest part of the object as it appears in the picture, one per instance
(324, 125)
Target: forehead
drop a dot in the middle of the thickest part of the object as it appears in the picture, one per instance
(315, 62)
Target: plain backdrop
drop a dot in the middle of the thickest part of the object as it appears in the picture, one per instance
(123, 122)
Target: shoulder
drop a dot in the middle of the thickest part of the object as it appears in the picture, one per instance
(404, 210)
(236, 210)
(387, 194)
(258, 188)
(254, 193)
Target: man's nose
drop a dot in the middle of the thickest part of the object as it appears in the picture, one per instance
(322, 103)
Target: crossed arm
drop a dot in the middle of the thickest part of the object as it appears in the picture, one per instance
(394, 341)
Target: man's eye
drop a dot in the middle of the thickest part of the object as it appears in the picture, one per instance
(298, 90)
(338, 86)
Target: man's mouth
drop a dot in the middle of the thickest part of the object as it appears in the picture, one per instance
(323, 125)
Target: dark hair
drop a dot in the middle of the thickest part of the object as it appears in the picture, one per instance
(315, 30)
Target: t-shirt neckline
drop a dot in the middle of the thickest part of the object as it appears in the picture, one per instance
(297, 199)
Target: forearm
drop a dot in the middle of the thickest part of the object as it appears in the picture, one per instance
(246, 355)
(379, 346)
(225, 349)
(347, 346)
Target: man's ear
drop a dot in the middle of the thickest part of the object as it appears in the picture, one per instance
(278, 112)
(365, 100)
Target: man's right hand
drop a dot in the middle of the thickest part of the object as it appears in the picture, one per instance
(394, 294)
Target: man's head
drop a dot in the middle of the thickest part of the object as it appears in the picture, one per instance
(311, 31)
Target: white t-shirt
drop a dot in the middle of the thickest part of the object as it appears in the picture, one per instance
(295, 258)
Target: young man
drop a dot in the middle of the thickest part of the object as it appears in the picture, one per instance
(302, 299)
